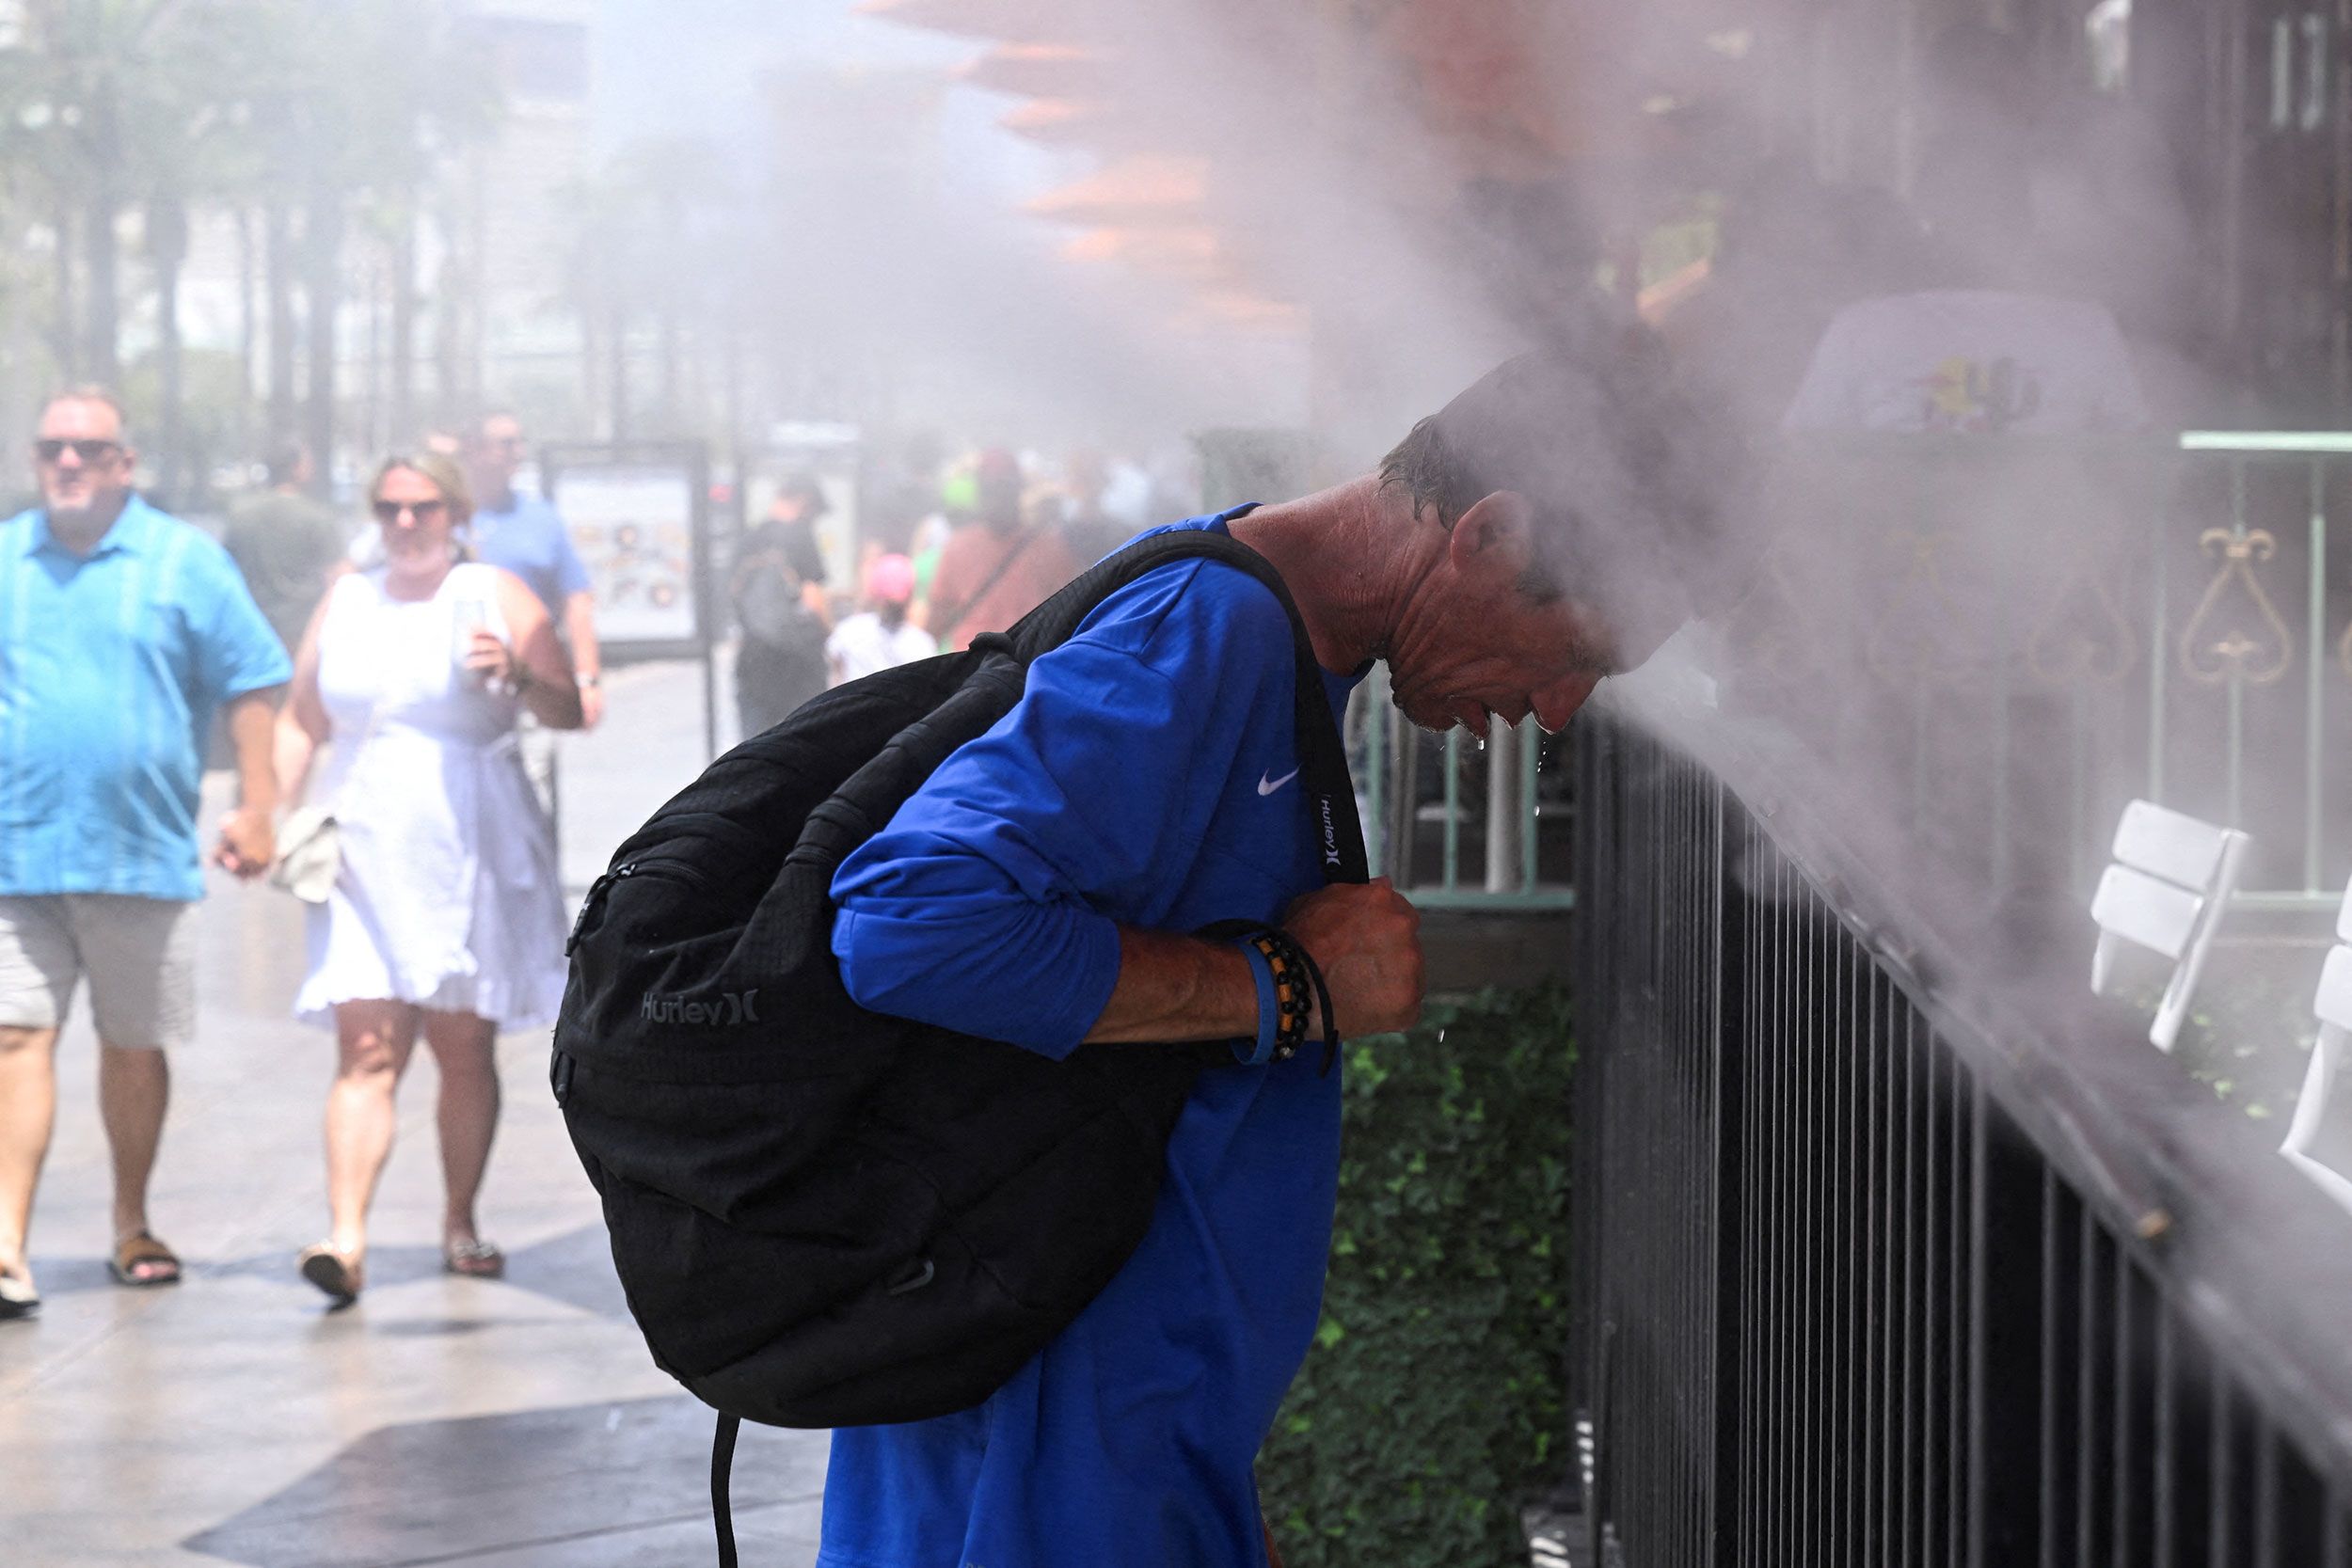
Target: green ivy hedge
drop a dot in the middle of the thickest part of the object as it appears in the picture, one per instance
(1429, 1410)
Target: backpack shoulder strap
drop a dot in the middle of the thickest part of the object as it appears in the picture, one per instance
(1322, 754)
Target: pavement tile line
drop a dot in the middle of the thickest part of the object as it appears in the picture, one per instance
(483, 1487)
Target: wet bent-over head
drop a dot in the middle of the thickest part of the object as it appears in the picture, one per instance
(1579, 488)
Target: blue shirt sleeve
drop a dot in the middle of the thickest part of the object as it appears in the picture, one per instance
(236, 652)
(990, 903)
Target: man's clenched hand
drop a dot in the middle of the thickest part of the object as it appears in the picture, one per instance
(1366, 938)
(247, 845)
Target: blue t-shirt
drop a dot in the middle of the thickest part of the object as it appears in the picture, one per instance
(530, 540)
(1148, 777)
(111, 668)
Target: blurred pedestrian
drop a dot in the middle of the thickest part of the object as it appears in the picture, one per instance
(997, 569)
(286, 543)
(122, 631)
(526, 535)
(1087, 526)
(446, 917)
(878, 637)
(778, 593)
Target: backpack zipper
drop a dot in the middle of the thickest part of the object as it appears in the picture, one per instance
(598, 890)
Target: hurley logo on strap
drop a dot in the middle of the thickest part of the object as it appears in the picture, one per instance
(732, 1008)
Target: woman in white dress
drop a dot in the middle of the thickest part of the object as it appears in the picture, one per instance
(446, 917)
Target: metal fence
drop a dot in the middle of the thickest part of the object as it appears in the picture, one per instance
(1462, 824)
(1884, 1262)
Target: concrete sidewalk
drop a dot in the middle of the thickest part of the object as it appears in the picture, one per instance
(441, 1420)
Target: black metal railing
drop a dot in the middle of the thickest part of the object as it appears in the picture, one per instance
(1888, 1261)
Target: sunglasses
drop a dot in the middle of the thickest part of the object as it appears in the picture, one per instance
(91, 452)
(425, 512)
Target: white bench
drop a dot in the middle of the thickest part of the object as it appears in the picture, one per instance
(2335, 1008)
(2166, 892)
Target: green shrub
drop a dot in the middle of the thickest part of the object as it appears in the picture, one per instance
(1429, 1410)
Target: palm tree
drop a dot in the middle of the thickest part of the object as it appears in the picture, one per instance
(642, 235)
(298, 106)
(386, 134)
(111, 102)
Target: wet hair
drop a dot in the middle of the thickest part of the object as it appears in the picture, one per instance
(1627, 465)
(446, 476)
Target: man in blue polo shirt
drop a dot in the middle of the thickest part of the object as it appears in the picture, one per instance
(526, 535)
(1546, 527)
(122, 632)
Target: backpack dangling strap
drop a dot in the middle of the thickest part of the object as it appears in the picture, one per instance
(721, 1461)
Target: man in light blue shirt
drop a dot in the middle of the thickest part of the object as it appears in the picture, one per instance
(122, 632)
(526, 535)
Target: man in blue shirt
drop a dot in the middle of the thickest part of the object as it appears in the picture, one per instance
(1542, 530)
(122, 632)
(526, 535)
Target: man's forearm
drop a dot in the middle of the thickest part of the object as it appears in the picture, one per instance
(553, 704)
(253, 731)
(579, 635)
(1177, 988)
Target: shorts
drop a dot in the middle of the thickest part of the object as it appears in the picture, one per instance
(139, 954)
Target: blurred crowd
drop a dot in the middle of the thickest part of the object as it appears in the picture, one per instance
(387, 695)
(946, 549)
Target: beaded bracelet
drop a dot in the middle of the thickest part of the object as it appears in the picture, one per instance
(1286, 1006)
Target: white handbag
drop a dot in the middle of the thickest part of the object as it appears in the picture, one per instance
(309, 842)
(310, 854)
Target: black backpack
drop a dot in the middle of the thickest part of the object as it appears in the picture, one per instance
(824, 1216)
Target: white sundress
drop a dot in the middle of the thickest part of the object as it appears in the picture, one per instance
(449, 895)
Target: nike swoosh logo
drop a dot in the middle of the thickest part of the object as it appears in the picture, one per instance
(1267, 786)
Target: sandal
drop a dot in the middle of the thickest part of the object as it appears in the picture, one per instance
(18, 1299)
(476, 1259)
(142, 1262)
(339, 1275)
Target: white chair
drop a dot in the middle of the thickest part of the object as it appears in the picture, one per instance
(2171, 881)
(2335, 1008)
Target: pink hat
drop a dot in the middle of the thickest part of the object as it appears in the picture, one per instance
(890, 578)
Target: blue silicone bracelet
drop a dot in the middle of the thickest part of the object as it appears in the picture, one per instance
(1269, 1008)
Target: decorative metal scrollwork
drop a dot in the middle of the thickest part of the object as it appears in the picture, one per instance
(2093, 645)
(1919, 633)
(2233, 651)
